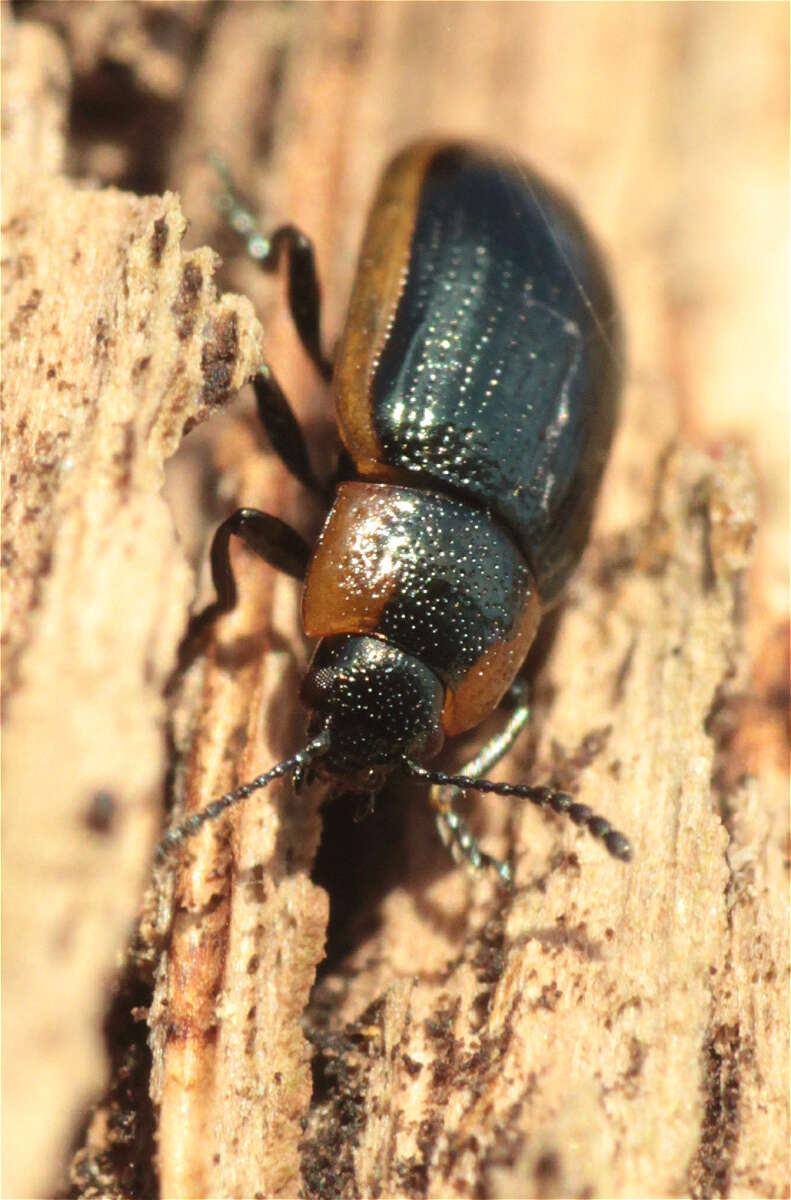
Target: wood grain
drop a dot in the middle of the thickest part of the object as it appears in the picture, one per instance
(606, 1030)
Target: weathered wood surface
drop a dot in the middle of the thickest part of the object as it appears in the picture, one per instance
(605, 1030)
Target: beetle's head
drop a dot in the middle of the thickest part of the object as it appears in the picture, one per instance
(374, 708)
(377, 704)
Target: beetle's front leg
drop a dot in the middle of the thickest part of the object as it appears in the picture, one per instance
(268, 537)
(452, 827)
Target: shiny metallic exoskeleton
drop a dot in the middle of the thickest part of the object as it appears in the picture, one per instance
(475, 389)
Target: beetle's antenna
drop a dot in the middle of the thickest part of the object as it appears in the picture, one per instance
(560, 802)
(190, 825)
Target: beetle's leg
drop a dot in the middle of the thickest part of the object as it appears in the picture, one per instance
(452, 827)
(303, 285)
(498, 746)
(283, 430)
(267, 536)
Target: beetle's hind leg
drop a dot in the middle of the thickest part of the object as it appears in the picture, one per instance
(304, 294)
(274, 410)
(453, 829)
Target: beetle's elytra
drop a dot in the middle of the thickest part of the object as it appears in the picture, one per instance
(475, 389)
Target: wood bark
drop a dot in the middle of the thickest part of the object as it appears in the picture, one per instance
(604, 1030)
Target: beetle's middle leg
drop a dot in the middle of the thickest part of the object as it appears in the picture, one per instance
(453, 829)
(284, 432)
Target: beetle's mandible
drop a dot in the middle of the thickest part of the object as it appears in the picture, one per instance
(476, 387)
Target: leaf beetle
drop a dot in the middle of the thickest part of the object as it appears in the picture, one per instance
(476, 387)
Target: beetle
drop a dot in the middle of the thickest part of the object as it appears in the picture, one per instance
(476, 387)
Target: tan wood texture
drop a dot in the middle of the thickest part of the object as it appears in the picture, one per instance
(605, 1030)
